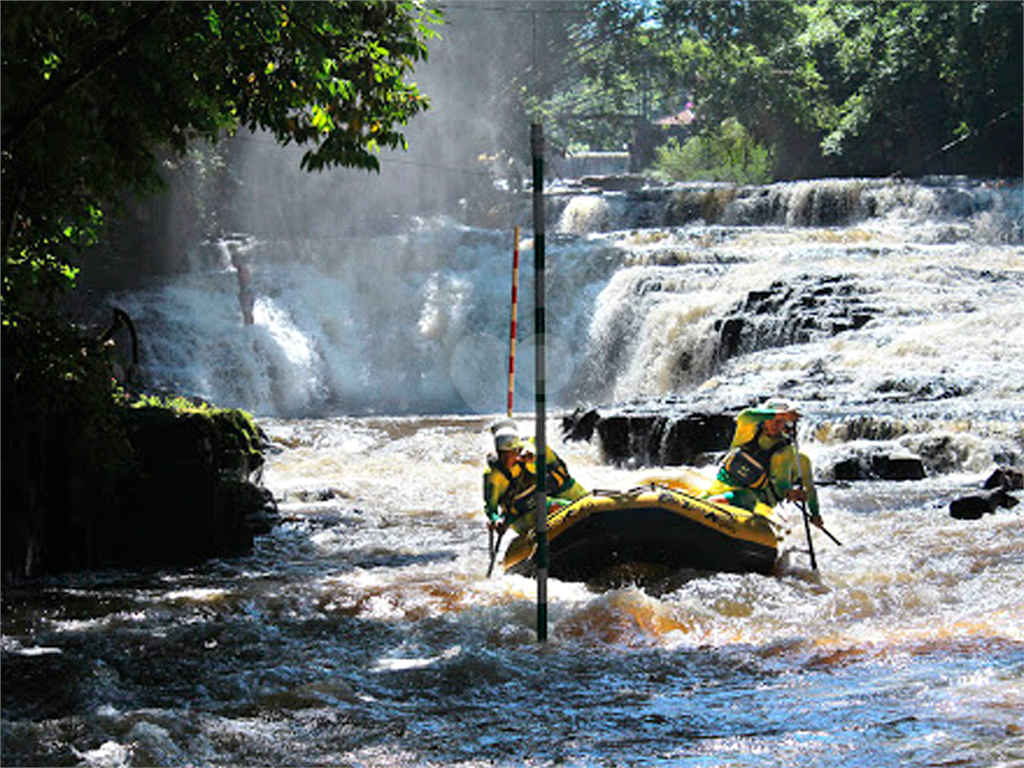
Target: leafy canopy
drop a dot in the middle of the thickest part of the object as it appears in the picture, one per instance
(862, 87)
(94, 92)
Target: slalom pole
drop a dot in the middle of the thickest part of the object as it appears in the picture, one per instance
(512, 325)
(494, 546)
(537, 150)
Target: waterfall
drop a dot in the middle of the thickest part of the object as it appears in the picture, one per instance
(855, 290)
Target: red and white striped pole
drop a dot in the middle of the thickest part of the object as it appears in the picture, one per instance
(512, 327)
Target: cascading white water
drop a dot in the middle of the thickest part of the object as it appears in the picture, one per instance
(364, 631)
(416, 322)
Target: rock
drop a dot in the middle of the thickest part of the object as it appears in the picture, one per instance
(668, 433)
(997, 487)
(794, 312)
(651, 438)
(866, 460)
(616, 182)
(580, 424)
(1006, 477)
(974, 507)
(178, 489)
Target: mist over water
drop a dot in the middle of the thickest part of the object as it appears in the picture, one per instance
(919, 281)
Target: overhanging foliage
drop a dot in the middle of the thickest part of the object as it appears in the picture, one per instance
(94, 92)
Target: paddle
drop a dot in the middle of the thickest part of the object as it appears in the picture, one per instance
(807, 530)
(803, 504)
(494, 547)
(803, 507)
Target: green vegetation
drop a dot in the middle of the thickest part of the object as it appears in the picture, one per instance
(96, 94)
(830, 87)
(97, 98)
(727, 153)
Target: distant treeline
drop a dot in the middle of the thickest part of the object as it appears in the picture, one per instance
(825, 88)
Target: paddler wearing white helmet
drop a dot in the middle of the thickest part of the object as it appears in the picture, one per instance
(510, 480)
(762, 465)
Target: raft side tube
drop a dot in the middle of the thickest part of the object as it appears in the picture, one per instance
(653, 525)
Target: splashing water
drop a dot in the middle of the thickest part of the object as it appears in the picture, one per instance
(362, 631)
(393, 324)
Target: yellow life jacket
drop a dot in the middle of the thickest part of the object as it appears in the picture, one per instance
(749, 465)
(519, 497)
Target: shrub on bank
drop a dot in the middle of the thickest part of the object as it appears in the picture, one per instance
(726, 153)
(95, 476)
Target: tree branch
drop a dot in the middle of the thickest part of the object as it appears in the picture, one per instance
(59, 91)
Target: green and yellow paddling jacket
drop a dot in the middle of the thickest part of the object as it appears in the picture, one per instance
(759, 468)
(510, 496)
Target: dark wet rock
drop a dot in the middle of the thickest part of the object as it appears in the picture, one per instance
(974, 507)
(184, 489)
(1008, 478)
(996, 494)
(647, 437)
(675, 431)
(616, 182)
(918, 389)
(195, 497)
(878, 466)
(794, 312)
(313, 495)
(867, 460)
(580, 424)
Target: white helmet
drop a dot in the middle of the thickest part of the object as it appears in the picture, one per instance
(506, 436)
(780, 405)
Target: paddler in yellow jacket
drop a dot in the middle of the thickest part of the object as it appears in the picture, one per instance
(761, 465)
(510, 481)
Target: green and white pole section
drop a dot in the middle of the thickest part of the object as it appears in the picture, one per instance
(537, 150)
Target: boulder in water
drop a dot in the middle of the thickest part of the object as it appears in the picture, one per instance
(997, 494)
(1007, 478)
(974, 507)
(655, 436)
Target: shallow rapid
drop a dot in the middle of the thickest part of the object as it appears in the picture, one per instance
(363, 630)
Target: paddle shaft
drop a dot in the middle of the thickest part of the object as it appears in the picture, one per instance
(803, 483)
(807, 530)
(494, 547)
(803, 504)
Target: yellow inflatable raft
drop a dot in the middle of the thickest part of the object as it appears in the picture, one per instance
(652, 525)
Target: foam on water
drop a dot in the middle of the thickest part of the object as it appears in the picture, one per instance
(417, 322)
(363, 630)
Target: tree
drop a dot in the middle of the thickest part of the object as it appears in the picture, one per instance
(849, 87)
(93, 92)
(900, 81)
(614, 73)
(94, 96)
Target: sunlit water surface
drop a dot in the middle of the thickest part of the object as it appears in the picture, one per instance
(363, 630)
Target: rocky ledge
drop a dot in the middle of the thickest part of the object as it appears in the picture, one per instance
(185, 487)
(663, 434)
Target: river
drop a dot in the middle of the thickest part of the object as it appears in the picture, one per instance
(363, 631)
